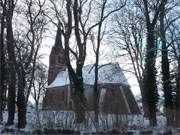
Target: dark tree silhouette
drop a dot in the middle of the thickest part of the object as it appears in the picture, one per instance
(11, 62)
(149, 83)
(167, 88)
(2, 58)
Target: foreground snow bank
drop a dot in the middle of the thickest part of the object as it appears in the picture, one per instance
(52, 122)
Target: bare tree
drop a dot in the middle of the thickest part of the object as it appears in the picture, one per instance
(39, 87)
(2, 57)
(11, 61)
(96, 46)
(149, 75)
(77, 23)
(128, 35)
(173, 40)
(26, 63)
(168, 95)
(73, 15)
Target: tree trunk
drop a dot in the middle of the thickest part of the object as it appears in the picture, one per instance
(37, 112)
(21, 99)
(12, 80)
(150, 85)
(12, 62)
(75, 77)
(2, 70)
(144, 99)
(178, 96)
(77, 91)
(78, 94)
(96, 92)
(96, 70)
(80, 106)
(1, 90)
(168, 103)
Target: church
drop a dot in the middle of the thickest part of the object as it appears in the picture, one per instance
(115, 93)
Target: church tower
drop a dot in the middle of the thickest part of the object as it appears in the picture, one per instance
(56, 58)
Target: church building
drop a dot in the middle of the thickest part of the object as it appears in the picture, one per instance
(115, 94)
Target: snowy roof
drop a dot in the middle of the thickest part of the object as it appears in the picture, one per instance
(108, 74)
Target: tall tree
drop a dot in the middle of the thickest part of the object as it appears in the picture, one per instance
(168, 103)
(129, 37)
(39, 87)
(27, 58)
(174, 36)
(11, 62)
(2, 57)
(150, 60)
(73, 11)
(178, 93)
(78, 25)
(96, 46)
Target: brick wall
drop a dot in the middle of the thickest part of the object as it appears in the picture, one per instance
(56, 63)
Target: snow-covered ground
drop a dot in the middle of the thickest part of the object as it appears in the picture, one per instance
(66, 121)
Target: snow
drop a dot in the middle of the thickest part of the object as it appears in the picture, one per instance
(65, 120)
(108, 74)
(62, 79)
